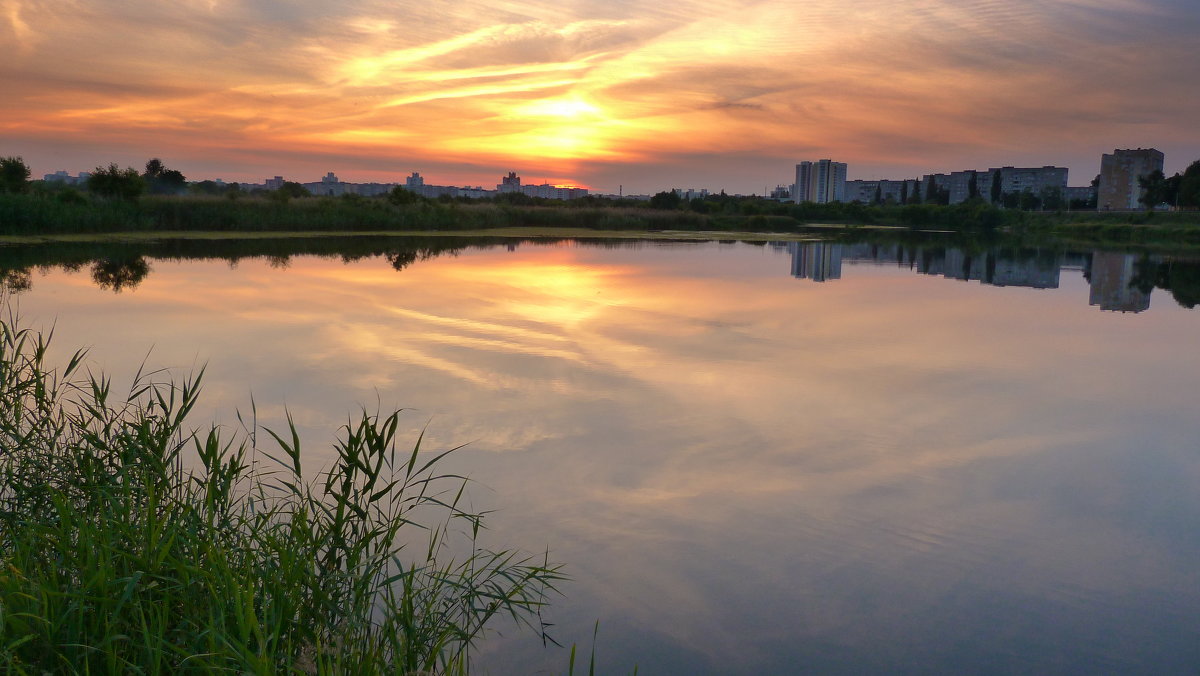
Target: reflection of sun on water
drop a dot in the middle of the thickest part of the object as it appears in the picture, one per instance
(560, 294)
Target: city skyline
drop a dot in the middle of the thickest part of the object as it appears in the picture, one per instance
(727, 95)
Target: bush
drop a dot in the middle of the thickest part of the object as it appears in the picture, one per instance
(14, 174)
(119, 556)
(116, 183)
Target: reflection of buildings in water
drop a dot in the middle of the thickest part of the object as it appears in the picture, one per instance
(818, 261)
(1112, 275)
(963, 266)
(1111, 278)
(1035, 273)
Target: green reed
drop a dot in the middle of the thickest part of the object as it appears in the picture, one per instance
(131, 543)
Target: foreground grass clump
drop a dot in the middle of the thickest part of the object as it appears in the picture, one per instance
(120, 552)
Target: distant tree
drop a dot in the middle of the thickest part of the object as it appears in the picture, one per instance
(698, 205)
(931, 191)
(667, 199)
(996, 191)
(915, 196)
(116, 183)
(400, 196)
(904, 192)
(14, 174)
(1153, 188)
(973, 187)
(1010, 200)
(1029, 201)
(205, 187)
(878, 199)
(1189, 186)
(294, 189)
(163, 181)
(1052, 198)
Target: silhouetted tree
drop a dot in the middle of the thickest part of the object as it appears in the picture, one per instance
(116, 183)
(294, 189)
(904, 192)
(973, 187)
(14, 174)
(1189, 186)
(1154, 189)
(1052, 198)
(996, 191)
(206, 187)
(161, 180)
(667, 199)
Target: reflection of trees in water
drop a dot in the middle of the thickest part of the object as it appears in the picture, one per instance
(16, 281)
(1181, 278)
(123, 265)
(402, 259)
(119, 275)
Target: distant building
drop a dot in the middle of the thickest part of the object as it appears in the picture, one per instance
(273, 183)
(1119, 173)
(822, 181)
(510, 183)
(865, 191)
(331, 186)
(691, 193)
(67, 179)
(414, 182)
(554, 192)
(1086, 194)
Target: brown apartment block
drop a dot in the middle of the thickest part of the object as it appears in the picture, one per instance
(1119, 173)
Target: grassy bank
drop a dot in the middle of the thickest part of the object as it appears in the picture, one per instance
(68, 213)
(117, 555)
(49, 215)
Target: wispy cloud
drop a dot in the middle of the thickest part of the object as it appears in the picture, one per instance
(573, 88)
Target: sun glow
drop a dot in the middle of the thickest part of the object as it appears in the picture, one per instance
(572, 109)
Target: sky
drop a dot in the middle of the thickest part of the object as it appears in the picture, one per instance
(637, 96)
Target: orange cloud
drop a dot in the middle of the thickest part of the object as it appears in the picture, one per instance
(594, 92)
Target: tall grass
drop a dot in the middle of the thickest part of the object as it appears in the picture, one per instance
(130, 543)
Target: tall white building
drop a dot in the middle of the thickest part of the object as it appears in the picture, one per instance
(821, 181)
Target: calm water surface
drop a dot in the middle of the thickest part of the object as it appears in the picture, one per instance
(753, 459)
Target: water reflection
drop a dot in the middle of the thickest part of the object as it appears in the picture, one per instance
(887, 473)
(1119, 281)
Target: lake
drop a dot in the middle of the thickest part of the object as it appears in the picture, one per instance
(753, 458)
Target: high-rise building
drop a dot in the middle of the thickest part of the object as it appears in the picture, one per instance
(821, 182)
(510, 183)
(1119, 174)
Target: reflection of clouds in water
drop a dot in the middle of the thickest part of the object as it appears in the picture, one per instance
(734, 462)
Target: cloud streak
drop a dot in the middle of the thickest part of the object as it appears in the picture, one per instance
(570, 89)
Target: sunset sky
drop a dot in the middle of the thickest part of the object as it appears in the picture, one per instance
(719, 94)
